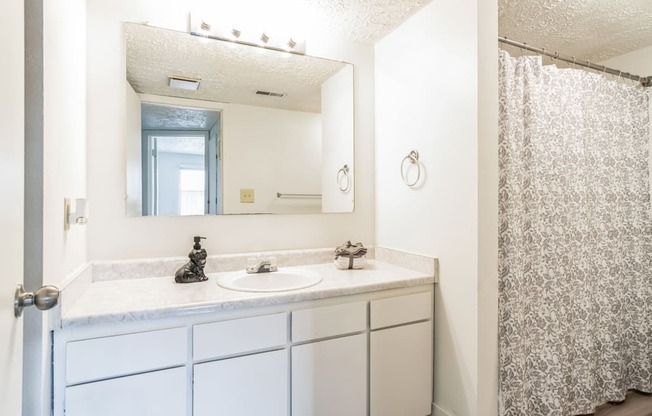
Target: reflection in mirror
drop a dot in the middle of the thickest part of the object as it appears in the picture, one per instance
(215, 127)
(180, 162)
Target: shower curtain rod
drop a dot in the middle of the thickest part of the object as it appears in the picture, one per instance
(645, 81)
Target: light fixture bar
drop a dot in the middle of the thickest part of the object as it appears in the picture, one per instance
(200, 26)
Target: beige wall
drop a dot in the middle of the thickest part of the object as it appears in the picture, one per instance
(428, 99)
(112, 235)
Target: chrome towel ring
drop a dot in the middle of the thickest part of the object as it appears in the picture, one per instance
(343, 174)
(413, 158)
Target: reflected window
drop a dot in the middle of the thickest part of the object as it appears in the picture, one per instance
(192, 190)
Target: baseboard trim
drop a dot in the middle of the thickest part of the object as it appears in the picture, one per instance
(438, 411)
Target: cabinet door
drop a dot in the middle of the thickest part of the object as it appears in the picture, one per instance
(245, 386)
(330, 377)
(159, 393)
(401, 370)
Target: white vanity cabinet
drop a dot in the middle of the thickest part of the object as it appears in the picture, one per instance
(149, 394)
(329, 372)
(251, 385)
(252, 382)
(400, 355)
(356, 355)
(125, 374)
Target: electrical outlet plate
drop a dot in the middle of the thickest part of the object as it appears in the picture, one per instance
(246, 196)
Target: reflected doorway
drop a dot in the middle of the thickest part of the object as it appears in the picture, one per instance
(181, 165)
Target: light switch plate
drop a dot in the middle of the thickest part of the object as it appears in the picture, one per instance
(246, 196)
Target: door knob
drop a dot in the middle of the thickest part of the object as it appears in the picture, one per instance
(43, 298)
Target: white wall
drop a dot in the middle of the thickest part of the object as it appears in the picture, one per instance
(638, 62)
(64, 118)
(487, 208)
(337, 129)
(112, 235)
(270, 150)
(427, 99)
(134, 158)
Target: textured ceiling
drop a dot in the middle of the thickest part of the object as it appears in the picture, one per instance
(362, 20)
(228, 72)
(164, 117)
(593, 30)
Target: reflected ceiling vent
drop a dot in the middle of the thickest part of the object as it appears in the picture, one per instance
(270, 94)
(188, 84)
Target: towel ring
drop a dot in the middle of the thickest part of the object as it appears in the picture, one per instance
(413, 158)
(342, 174)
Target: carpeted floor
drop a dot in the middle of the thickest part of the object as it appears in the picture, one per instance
(637, 404)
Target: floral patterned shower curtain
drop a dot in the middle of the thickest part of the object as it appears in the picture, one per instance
(575, 261)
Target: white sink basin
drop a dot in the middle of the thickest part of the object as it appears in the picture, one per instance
(282, 280)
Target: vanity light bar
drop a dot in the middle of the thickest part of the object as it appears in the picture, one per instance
(202, 27)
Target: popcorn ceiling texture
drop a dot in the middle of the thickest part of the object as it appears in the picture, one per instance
(593, 30)
(364, 20)
(163, 117)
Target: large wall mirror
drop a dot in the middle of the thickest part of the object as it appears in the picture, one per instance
(217, 127)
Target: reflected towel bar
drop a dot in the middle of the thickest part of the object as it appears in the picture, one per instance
(280, 195)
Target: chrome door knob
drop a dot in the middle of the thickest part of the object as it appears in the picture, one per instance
(44, 298)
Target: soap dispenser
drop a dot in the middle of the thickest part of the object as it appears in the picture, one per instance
(193, 271)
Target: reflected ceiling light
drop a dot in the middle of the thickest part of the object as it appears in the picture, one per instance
(182, 83)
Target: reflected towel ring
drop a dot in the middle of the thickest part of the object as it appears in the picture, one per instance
(413, 158)
(342, 174)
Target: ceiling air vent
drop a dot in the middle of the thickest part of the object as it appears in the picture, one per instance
(270, 94)
(182, 83)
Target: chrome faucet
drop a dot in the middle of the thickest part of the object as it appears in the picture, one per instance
(263, 266)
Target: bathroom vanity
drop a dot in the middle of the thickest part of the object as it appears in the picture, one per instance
(358, 343)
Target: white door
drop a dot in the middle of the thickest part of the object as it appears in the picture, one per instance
(11, 202)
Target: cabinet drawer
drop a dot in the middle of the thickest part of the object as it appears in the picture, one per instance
(329, 321)
(401, 310)
(100, 358)
(220, 339)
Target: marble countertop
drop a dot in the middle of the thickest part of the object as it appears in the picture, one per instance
(160, 297)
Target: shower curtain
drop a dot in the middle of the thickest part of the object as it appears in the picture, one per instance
(575, 256)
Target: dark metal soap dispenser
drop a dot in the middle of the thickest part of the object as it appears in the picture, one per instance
(193, 271)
